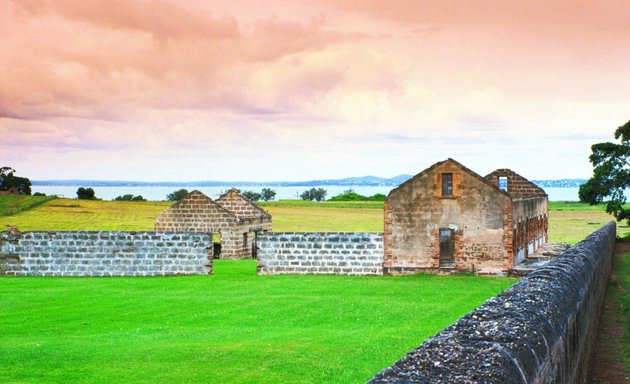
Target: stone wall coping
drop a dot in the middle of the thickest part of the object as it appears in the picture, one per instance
(540, 330)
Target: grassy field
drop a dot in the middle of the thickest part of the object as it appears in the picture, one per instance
(12, 204)
(568, 221)
(233, 326)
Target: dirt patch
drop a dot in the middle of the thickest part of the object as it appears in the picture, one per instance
(607, 361)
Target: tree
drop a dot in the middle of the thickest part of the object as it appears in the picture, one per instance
(314, 194)
(267, 194)
(611, 175)
(130, 197)
(177, 195)
(251, 195)
(86, 194)
(8, 181)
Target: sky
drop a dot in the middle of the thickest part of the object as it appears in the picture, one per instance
(187, 90)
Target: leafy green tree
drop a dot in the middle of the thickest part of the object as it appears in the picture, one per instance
(8, 181)
(351, 195)
(267, 194)
(251, 195)
(130, 197)
(314, 194)
(611, 175)
(177, 195)
(86, 194)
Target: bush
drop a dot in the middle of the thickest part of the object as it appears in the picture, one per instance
(351, 195)
(39, 194)
(251, 195)
(10, 182)
(86, 194)
(177, 195)
(314, 194)
(268, 194)
(130, 197)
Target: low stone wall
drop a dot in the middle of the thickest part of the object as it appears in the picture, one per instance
(541, 330)
(336, 253)
(105, 253)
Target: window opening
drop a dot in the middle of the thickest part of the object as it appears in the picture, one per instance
(503, 183)
(447, 184)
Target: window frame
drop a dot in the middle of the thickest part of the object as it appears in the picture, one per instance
(447, 184)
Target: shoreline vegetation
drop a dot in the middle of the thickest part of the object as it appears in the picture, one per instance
(569, 221)
(281, 329)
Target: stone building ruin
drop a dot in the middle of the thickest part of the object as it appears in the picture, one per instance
(235, 218)
(449, 218)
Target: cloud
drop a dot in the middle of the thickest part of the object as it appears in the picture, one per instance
(295, 88)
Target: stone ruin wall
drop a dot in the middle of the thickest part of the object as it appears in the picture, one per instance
(338, 253)
(530, 225)
(541, 330)
(90, 253)
(517, 185)
(242, 208)
(480, 215)
(198, 213)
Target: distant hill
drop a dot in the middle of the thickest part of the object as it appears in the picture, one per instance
(364, 181)
(348, 181)
(560, 183)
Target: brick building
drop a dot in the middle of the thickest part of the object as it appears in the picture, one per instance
(236, 219)
(448, 217)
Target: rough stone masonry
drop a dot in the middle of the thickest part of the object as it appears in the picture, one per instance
(338, 253)
(86, 253)
(541, 330)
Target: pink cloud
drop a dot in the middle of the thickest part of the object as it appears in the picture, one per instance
(151, 78)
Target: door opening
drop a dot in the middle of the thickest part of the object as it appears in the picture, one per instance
(447, 247)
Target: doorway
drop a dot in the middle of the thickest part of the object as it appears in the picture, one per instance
(447, 247)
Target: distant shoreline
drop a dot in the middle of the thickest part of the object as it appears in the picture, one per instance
(366, 181)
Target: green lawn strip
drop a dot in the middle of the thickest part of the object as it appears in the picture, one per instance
(620, 290)
(323, 204)
(12, 204)
(576, 206)
(94, 215)
(233, 326)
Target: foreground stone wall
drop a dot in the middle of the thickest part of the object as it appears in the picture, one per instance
(320, 253)
(541, 330)
(105, 253)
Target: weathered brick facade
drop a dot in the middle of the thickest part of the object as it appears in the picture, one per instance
(333, 253)
(105, 253)
(234, 217)
(450, 218)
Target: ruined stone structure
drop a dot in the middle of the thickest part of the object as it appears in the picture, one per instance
(335, 253)
(105, 253)
(540, 330)
(235, 218)
(448, 217)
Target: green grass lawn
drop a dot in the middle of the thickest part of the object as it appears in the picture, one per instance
(568, 221)
(620, 289)
(231, 327)
(12, 204)
(72, 214)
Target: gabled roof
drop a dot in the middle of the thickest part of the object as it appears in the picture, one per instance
(241, 206)
(199, 198)
(459, 165)
(518, 186)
